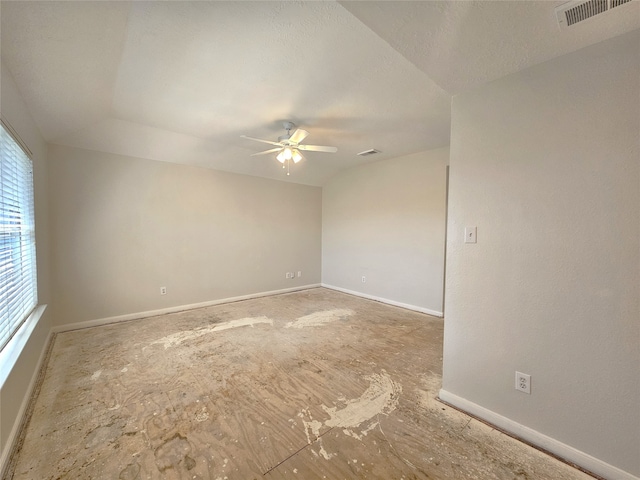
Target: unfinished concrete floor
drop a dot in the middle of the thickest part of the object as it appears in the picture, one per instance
(308, 385)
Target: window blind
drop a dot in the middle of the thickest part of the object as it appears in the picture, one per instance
(18, 283)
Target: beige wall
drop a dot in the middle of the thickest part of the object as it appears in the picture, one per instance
(14, 391)
(123, 227)
(386, 221)
(546, 163)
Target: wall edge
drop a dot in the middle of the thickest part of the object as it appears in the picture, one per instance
(415, 308)
(179, 308)
(538, 440)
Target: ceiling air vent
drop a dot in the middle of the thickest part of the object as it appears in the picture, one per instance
(371, 151)
(576, 11)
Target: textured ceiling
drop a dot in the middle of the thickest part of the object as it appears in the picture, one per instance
(462, 44)
(181, 81)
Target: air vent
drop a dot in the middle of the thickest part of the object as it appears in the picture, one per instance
(579, 10)
(371, 151)
(617, 3)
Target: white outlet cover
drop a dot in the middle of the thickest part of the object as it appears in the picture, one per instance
(523, 382)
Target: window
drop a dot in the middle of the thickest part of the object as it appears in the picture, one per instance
(18, 285)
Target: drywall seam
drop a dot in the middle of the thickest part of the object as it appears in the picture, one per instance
(21, 417)
(538, 439)
(180, 308)
(385, 300)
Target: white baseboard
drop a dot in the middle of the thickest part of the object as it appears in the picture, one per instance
(385, 300)
(538, 439)
(180, 308)
(17, 424)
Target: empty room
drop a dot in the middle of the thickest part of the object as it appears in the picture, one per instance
(320, 240)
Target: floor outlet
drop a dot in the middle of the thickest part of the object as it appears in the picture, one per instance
(523, 382)
(163, 290)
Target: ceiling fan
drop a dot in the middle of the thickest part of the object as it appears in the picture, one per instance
(288, 146)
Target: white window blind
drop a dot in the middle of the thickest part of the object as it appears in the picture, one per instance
(18, 285)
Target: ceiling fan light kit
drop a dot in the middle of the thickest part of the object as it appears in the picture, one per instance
(289, 153)
(288, 146)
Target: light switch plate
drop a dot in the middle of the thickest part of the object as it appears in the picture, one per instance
(470, 234)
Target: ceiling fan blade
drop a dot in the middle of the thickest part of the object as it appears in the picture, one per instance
(267, 151)
(317, 148)
(298, 136)
(263, 141)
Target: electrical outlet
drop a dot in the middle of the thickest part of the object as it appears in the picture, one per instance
(364, 279)
(299, 273)
(288, 275)
(163, 290)
(523, 382)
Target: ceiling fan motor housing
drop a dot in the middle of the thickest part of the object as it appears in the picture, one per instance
(288, 126)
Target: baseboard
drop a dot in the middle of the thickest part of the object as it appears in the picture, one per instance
(180, 308)
(385, 300)
(537, 439)
(10, 444)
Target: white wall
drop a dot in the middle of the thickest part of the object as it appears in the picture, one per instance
(386, 221)
(13, 393)
(546, 163)
(122, 227)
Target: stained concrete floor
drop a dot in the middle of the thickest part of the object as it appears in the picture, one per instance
(308, 385)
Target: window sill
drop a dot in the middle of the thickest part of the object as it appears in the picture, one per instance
(11, 352)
